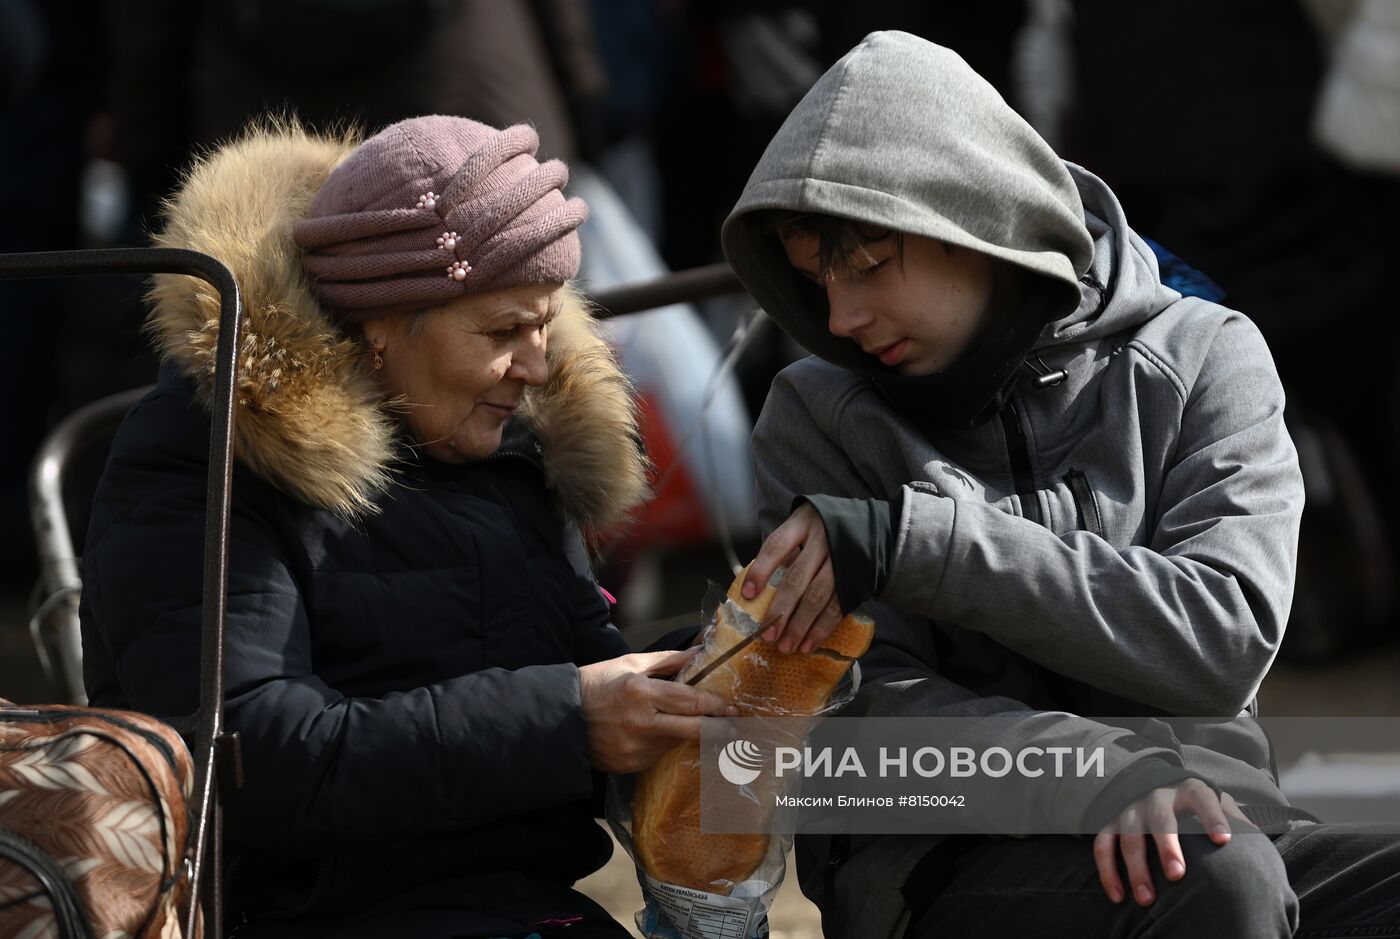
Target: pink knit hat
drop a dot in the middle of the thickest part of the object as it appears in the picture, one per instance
(434, 208)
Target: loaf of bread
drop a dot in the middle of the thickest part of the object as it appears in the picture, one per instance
(760, 681)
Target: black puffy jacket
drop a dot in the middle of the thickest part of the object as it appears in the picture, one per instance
(404, 679)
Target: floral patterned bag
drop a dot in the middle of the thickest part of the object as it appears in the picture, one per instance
(92, 808)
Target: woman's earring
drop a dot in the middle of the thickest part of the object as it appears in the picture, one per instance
(378, 359)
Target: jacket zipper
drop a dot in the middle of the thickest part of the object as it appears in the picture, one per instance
(1085, 502)
(510, 455)
(1018, 451)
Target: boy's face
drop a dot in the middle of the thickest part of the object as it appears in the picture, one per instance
(917, 317)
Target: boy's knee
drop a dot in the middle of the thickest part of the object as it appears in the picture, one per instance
(1238, 889)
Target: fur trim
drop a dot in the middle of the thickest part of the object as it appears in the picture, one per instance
(586, 418)
(311, 418)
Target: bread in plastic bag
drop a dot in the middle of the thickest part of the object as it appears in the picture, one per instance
(699, 884)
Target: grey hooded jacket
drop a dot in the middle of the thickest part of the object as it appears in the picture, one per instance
(1142, 568)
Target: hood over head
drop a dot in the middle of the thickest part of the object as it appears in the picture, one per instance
(1123, 287)
(903, 134)
(311, 419)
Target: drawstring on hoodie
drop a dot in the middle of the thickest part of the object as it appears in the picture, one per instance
(1045, 377)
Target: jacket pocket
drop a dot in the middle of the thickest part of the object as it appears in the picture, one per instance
(1085, 504)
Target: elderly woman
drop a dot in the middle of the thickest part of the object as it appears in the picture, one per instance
(420, 666)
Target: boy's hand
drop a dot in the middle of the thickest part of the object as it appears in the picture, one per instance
(1154, 816)
(805, 608)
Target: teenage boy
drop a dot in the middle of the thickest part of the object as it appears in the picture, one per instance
(1070, 492)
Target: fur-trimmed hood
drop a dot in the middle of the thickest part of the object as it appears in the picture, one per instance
(311, 419)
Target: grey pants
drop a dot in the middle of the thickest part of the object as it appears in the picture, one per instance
(1313, 882)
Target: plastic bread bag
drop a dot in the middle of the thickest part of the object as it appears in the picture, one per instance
(699, 884)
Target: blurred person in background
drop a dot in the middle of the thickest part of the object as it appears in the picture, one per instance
(1358, 114)
(185, 74)
(50, 65)
(1201, 115)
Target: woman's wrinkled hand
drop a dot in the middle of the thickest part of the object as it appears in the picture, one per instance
(1154, 816)
(805, 608)
(634, 717)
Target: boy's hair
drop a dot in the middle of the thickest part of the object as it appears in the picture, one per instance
(841, 242)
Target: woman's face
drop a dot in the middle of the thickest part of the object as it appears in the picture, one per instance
(917, 316)
(462, 368)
